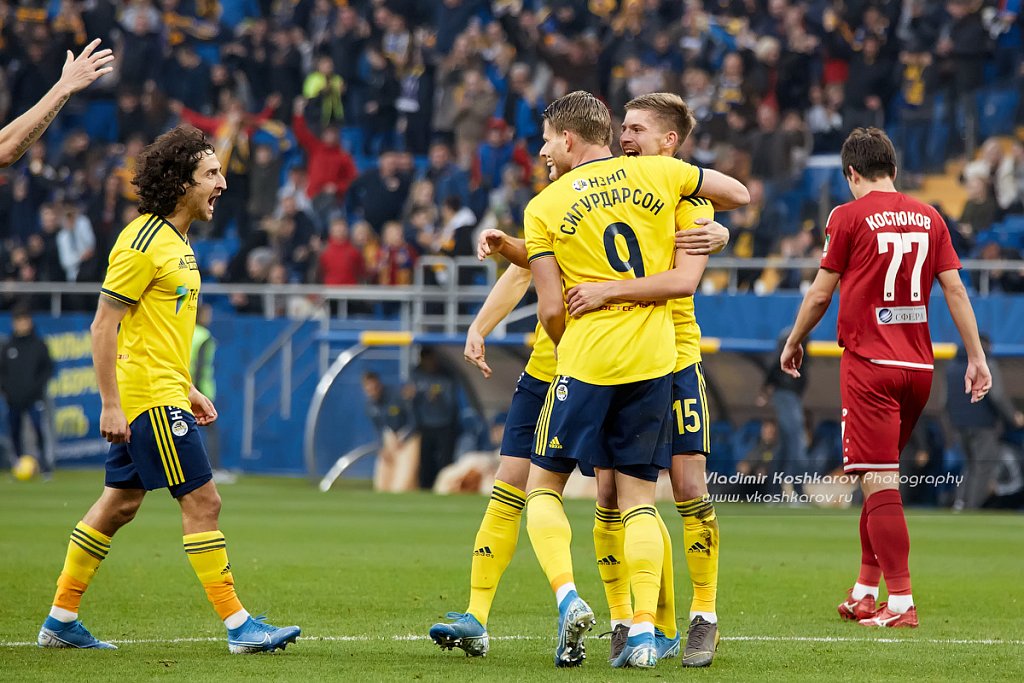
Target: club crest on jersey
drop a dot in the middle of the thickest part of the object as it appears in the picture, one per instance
(561, 392)
(581, 184)
(179, 428)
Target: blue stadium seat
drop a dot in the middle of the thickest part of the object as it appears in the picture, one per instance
(998, 109)
(100, 121)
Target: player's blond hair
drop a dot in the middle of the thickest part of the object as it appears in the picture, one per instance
(669, 109)
(583, 114)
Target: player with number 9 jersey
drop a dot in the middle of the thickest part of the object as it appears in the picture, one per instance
(613, 219)
(888, 249)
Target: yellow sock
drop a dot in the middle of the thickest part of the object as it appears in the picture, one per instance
(700, 536)
(609, 536)
(665, 617)
(494, 546)
(550, 535)
(645, 554)
(208, 554)
(86, 549)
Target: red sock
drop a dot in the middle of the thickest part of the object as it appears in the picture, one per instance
(887, 528)
(870, 572)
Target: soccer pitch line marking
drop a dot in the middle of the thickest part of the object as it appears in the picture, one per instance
(738, 639)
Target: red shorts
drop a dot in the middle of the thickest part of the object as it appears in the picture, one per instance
(881, 405)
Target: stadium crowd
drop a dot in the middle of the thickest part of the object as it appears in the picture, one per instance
(357, 136)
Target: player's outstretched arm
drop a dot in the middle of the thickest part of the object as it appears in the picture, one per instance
(109, 313)
(493, 241)
(725, 192)
(813, 307)
(17, 136)
(507, 292)
(547, 277)
(978, 378)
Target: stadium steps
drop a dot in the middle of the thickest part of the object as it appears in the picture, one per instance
(945, 189)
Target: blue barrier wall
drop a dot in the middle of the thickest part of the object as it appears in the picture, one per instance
(242, 338)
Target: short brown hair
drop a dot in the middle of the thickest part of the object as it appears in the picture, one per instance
(166, 169)
(871, 154)
(670, 109)
(583, 114)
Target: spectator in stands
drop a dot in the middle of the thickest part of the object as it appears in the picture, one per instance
(448, 178)
(341, 262)
(76, 245)
(825, 119)
(981, 209)
(1001, 280)
(435, 412)
(324, 88)
(475, 102)
(264, 181)
(258, 264)
(381, 90)
(331, 168)
(105, 210)
(365, 239)
(1009, 183)
(379, 195)
(43, 250)
(457, 227)
(918, 86)
(204, 348)
(397, 257)
(978, 426)
(870, 86)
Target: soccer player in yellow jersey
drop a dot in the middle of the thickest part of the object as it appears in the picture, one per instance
(605, 219)
(659, 123)
(498, 535)
(141, 344)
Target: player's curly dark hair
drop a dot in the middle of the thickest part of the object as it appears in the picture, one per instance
(165, 169)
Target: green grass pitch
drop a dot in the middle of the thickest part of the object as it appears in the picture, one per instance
(365, 575)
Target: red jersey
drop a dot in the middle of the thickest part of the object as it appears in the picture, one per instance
(888, 249)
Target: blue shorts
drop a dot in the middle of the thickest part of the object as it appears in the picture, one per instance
(690, 417)
(521, 423)
(166, 451)
(622, 427)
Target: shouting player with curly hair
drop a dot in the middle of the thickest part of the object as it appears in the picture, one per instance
(141, 346)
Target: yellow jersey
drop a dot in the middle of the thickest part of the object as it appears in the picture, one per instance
(683, 317)
(153, 271)
(541, 363)
(613, 219)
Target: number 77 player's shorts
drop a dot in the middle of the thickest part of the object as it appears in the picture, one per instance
(881, 405)
(165, 451)
(623, 427)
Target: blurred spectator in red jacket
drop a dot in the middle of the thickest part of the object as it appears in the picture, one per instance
(341, 262)
(331, 168)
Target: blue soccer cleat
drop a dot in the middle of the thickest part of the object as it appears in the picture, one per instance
(575, 618)
(255, 635)
(61, 634)
(465, 633)
(640, 653)
(667, 647)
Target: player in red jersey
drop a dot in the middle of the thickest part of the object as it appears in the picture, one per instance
(886, 249)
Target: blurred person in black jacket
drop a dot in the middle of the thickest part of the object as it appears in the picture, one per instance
(979, 426)
(787, 397)
(25, 369)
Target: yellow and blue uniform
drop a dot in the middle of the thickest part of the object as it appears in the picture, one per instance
(153, 271)
(532, 387)
(611, 219)
(689, 410)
